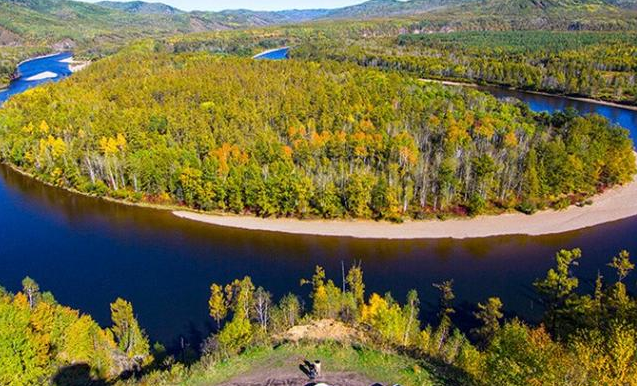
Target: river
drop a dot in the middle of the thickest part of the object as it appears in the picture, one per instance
(37, 71)
(88, 252)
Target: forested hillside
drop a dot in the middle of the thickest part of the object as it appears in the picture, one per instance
(303, 139)
(141, 7)
(39, 338)
(94, 30)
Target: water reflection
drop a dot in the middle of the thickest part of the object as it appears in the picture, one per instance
(88, 252)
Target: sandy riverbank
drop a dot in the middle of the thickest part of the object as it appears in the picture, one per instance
(76, 65)
(615, 204)
(581, 99)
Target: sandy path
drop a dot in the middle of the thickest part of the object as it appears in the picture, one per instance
(615, 204)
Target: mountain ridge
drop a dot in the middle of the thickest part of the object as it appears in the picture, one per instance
(141, 7)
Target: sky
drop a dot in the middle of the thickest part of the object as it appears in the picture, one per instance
(257, 5)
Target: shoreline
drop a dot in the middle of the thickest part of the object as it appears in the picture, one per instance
(600, 102)
(615, 204)
(41, 57)
(75, 65)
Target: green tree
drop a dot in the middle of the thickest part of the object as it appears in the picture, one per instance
(557, 288)
(131, 339)
(622, 265)
(356, 284)
(489, 316)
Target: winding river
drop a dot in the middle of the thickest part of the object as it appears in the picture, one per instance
(89, 251)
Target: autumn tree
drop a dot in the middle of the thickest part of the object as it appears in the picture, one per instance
(218, 304)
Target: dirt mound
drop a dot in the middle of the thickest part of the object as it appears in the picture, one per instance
(322, 330)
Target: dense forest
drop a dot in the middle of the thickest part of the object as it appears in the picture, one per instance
(601, 65)
(304, 139)
(598, 65)
(584, 338)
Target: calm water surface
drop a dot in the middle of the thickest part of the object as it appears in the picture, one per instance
(27, 69)
(88, 252)
(275, 54)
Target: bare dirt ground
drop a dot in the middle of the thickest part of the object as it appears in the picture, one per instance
(291, 376)
(326, 329)
(288, 373)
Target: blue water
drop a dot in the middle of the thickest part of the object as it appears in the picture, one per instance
(88, 252)
(278, 54)
(34, 67)
(539, 103)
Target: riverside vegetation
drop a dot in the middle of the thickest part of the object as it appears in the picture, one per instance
(584, 339)
(302, 138)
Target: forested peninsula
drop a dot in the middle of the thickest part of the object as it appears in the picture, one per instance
(304, 139)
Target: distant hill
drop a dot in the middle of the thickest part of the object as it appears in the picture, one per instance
(241, 16)
(383, 8)
(141, 7)
(55, 20)
(487, 8)
(52, 21)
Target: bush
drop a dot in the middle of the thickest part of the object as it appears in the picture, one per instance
(527, 207)
(476, 206)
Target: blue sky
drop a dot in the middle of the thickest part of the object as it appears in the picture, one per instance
(269, 5)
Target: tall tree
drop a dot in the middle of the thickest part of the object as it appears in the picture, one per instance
(131, 339)
(217, 304)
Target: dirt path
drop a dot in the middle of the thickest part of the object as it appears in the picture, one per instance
(292, 376)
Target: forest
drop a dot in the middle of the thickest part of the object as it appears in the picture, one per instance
(599, 65)
(585, 337)
(306, 139)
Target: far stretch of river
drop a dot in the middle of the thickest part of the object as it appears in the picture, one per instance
(89, 251)
(37, 71)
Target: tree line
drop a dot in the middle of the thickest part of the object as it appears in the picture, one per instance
(306, 139)
(583, 339)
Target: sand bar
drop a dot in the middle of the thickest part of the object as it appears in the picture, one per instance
(615, 204)
(42, 75)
